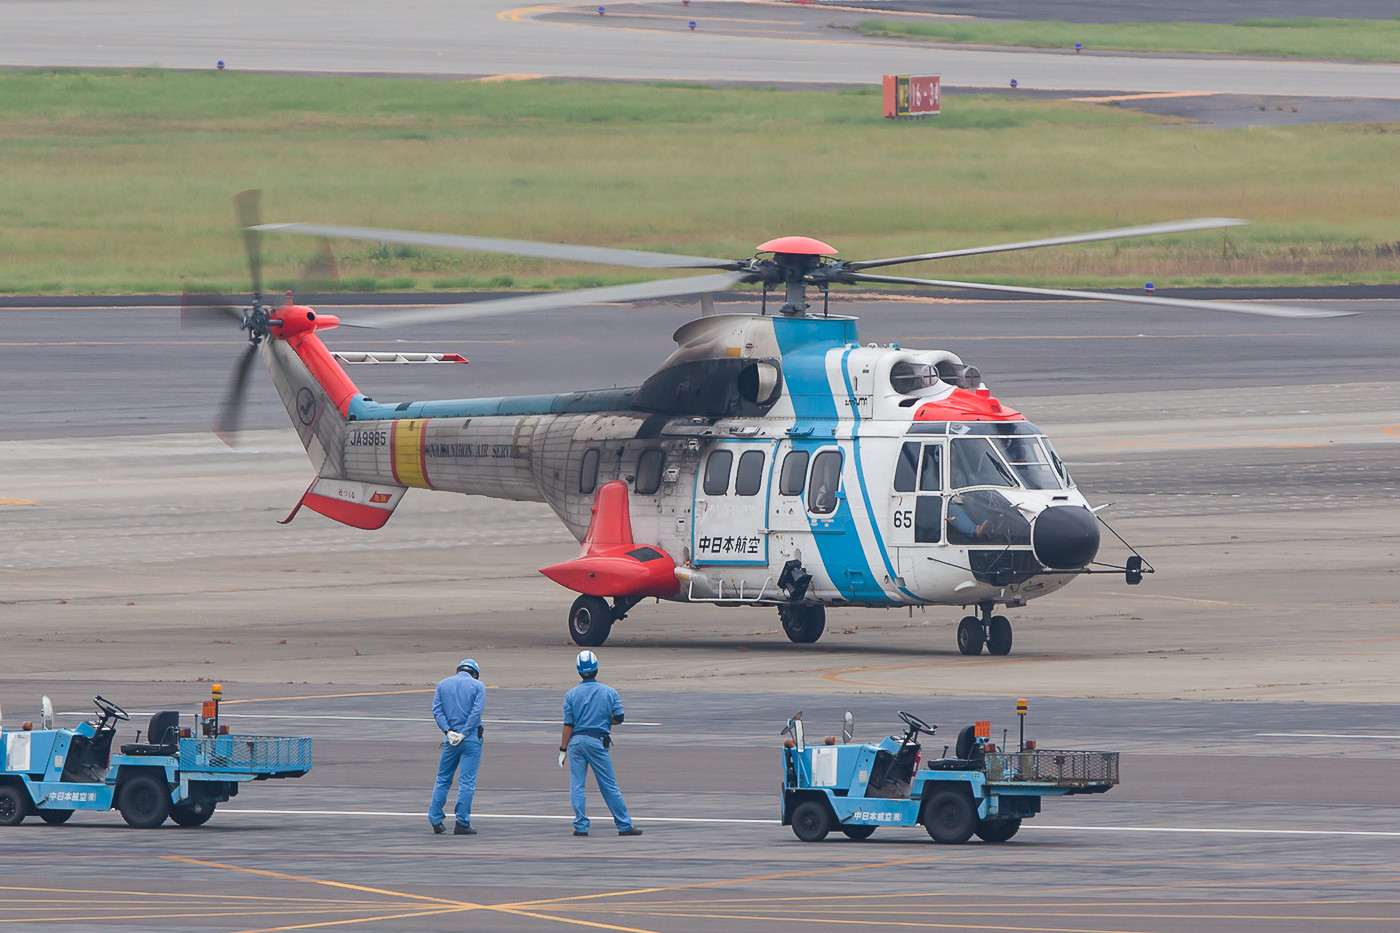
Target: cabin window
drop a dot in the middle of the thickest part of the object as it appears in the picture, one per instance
(928, 519)
(931, 470)
(974, 463)
(717, 472)
(794, 474)
(906, 469)
(749, 478)
(824, 482)
(588, 471)
(649, 467)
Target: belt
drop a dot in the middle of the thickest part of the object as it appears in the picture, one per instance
(593, 733)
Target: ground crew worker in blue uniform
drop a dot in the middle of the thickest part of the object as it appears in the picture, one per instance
(590, 711)
(457, 706)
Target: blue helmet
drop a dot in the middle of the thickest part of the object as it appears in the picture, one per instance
(469, 665)
(587, 663)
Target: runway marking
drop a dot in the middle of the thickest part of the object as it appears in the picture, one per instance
(493, 722)
(739, 821)
(503, 816)
(7, 502)
(1158, 95)
(331, 696)
(334, 884)
(1319, 735)
(839, 676)
(445, 905)
(515, 15)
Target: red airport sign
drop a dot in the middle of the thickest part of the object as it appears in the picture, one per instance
(911, 95)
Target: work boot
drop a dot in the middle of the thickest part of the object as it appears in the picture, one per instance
(580, 832)
(438, 828)
(634, 831)
(463, 829)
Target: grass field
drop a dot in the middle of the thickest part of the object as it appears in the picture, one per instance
(122, 182)
(1375, 40)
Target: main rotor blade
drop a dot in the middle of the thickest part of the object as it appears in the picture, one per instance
(641, 291)
(231, 412)
(1262, 310)
(637, 259)
(249, 216)
(1178, 226)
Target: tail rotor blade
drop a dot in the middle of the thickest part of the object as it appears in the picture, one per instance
(196, 309)
(249, 217)
(231, 412)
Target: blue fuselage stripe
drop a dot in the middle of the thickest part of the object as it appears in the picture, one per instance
(804, 343)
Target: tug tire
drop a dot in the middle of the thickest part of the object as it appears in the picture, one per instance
(811, 821)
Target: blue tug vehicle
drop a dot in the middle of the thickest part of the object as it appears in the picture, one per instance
(979, 791)
(174, 774)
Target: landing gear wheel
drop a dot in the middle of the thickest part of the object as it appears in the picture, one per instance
(997, 830)
(858, 832)
(144, 802)
(970, 635)
(590, 621)
(811, 821)
(802, 624)
(950, 817)
(54, 817)
(998, 635)
(192, 814)
(14, 805)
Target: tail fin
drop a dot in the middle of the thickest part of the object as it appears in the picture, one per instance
(313, 387)
(317, 394)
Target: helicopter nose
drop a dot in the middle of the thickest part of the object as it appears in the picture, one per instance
(1065, 537)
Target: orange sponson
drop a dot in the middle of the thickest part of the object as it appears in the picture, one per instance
(611, 563)
(297, 325)
(962, 405)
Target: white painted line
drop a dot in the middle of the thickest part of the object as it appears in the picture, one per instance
(1221, 832)
(492, 816)
(736, 821)
(1319, 735)
(498, 722)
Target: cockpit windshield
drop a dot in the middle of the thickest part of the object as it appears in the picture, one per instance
(1029, 460)
(975, 463)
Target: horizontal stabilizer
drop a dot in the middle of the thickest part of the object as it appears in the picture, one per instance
(359, 505)
(348, 356)
(612, 563)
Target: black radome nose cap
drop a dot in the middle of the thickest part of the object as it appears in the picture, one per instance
(1065, 537)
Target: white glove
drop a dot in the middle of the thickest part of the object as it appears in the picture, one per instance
(454, 738)
(563, 755)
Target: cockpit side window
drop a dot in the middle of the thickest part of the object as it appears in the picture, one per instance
(1057, 463)
(931, 472)
(906, 469)
(825, 480)
(974, 463)
(1028, 459)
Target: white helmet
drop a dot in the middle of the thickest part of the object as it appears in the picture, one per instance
(586, 663)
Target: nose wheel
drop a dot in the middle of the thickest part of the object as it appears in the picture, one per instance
(986, 629)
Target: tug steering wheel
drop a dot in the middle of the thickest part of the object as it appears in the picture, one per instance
(915, 724)
(109, 710)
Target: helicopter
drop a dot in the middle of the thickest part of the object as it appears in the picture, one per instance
(771, 461)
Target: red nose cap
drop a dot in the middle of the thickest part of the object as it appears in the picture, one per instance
(797, 246)
(299, 319)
